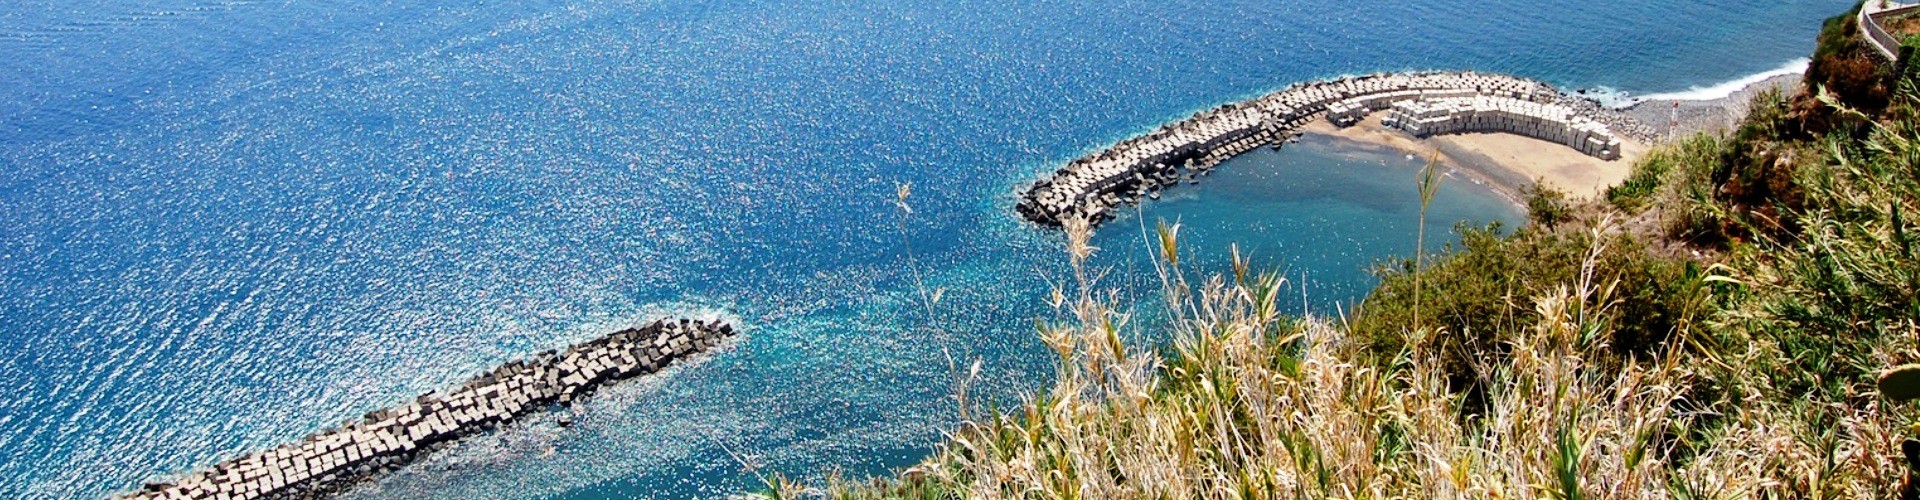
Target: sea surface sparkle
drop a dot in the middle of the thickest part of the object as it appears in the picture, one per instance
(228, 223)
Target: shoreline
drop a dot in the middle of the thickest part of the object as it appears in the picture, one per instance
(1707, 115)
(1508, 164)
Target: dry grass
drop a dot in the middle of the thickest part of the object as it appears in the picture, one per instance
(1250, 404)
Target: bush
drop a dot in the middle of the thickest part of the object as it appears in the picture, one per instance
(1249, 404)
(1547, 206)
(1754, 179)
(1844, 64)
(1714, 190)
(1850, 283)
(1471, 296)
(1633, 194)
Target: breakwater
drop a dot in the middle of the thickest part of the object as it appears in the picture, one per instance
(1424, 104)
(329, 461)
(1480, 113)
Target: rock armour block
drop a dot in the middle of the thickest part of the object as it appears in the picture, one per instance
(1089, 187)
(329, 461)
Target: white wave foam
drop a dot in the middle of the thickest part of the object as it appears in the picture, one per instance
(1616, 99)
(1724, 90)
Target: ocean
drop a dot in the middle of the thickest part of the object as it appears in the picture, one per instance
(227, 224)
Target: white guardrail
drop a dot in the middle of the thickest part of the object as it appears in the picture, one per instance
(1872, 14)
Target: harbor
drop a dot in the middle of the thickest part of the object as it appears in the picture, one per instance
(1419, 104)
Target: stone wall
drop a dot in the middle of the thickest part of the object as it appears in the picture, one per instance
(330, 460)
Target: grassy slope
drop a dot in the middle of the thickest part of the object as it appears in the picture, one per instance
(1711, 330)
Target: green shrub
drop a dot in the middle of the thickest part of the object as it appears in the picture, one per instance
(1634, 193)
(1755, 178)
(1485, 288)
(1851, 281)
(1547, 206)
(1844, 64)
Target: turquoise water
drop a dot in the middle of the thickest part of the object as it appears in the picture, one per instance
(1322, 213)
(227, 224)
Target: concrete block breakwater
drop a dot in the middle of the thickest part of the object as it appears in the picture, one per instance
(1550, 122)
(1424, 104)
(329, 461)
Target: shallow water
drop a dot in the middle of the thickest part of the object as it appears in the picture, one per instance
(228, 224)
(1322, 213)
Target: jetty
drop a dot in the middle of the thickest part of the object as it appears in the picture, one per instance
(1422, 104)
(330, 461)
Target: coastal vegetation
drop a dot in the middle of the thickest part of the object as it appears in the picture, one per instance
(1723, 324)
(1906, 28)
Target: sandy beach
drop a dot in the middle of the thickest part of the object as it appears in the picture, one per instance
(1509, 163)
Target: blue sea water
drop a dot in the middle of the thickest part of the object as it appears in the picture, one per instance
(226, 224)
